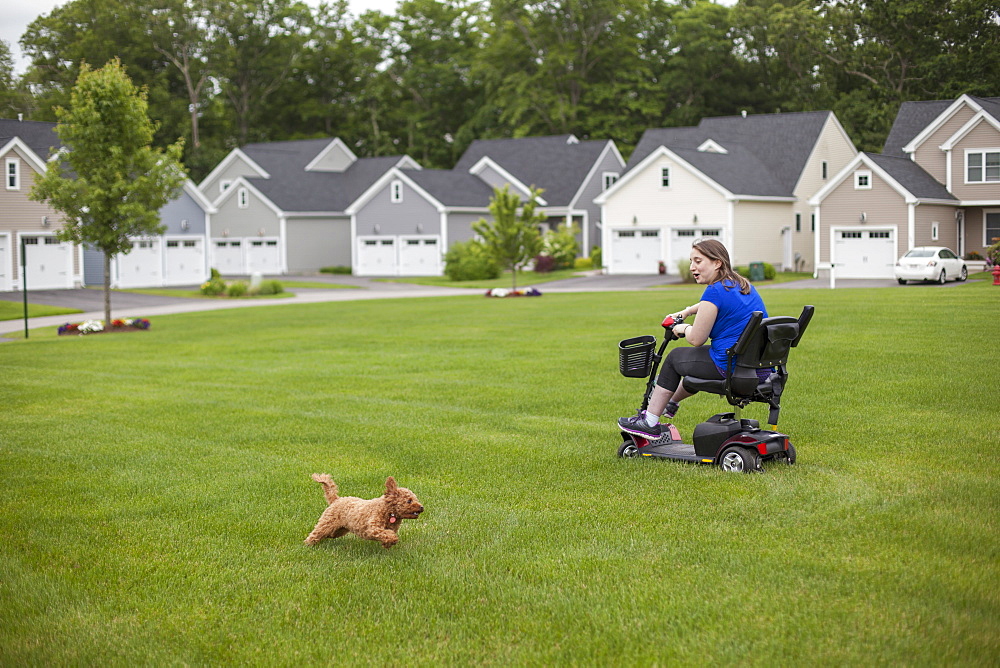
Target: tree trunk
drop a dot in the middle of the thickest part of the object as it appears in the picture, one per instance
(107, 290)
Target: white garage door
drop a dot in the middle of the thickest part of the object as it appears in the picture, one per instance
(5, 262)
(185, 262)
(142, 267)
(635, 252)
(864, 253)
(376, 256)
(263, 257)
(49, 263)
(419, 256)
(681, 241)
(227, 256)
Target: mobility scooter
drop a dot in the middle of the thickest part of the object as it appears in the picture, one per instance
(725, 439)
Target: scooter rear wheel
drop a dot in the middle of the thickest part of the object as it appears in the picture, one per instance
(736, 459)
(628, 450)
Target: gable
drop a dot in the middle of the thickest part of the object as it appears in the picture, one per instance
(336, 157)
(235, 165)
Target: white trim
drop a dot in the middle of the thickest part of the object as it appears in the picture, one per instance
(199, 197)
(242, 198)
(228, 160)
(969, 126)
(29, 156)
(712, 146)
(862, 159)
(16, 163)
(334, 143)
(224, 185)
(662, 152)
(935, 230)
(396, 191)
(941, 119)
(865, 174)
(5, 286)
(486, 161)
(609, 146)
(911, 226)
(406, 162)
(241, 182)
(379, 185)
(831, 118)
(987, 242)
(965, 166)
(816, 242)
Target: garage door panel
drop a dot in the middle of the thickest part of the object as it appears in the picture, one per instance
(681, 241)
(5, 282)
(377, 257)
(185, 262)
(142, 267)
(227, 256)
(263, 257)
(419, 257)
(48, 263)
(864, 253)
(635, 251)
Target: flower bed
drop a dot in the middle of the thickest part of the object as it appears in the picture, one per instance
(97, 326)
(519, 292)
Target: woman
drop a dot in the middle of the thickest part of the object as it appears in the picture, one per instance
(724, 310)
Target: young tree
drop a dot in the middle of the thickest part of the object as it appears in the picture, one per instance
(513, 238)
(110, 180)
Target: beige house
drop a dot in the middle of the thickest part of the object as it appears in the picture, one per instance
(745, 180)
(25, 147)
(936, 183)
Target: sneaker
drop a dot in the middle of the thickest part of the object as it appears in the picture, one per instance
(671, 410)
(637, 425)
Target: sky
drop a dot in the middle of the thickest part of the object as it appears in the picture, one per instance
(15, 15)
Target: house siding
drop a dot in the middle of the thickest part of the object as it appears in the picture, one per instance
(758, 233)
(929, 154)
(928, 214)
(314, 243)
(246, 222)
(232, 171)
(460, 226)
(592, 189)
(181, 209)
(983, 136)
(398, 218)
(882, 206)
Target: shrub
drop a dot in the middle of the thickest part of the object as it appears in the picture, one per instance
(214, 286)
(684, 267)
(973, 255)
(335, 270)
(993, 253)
(271, 288)
(769, 271)
(595, 257)
(470, 261)
(560, 244)
(583, 263)
(236, 289)
(544, 264)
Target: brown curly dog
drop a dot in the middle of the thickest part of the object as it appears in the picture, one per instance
(375, 519)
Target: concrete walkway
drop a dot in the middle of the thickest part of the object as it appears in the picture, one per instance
(132, 305)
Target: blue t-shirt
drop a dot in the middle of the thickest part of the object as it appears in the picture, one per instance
(734, 313)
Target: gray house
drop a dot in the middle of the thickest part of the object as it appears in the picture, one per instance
(936, 183)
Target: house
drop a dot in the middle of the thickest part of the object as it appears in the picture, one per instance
(25, 148)
(936, 183)
(179, 256)
(745, 180)
(302, 205)
(571, 172)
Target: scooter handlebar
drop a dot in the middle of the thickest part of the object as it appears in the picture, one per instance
(670, 321)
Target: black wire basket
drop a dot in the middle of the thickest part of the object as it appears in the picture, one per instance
(635, 356)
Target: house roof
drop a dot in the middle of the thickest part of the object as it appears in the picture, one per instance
(559, 164)
(911, 176)
(39, 136)
(453, 188)
(292, 188)
(765, 156)
(913, 117)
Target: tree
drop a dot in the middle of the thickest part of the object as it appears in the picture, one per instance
(111, 181)
(512, 238)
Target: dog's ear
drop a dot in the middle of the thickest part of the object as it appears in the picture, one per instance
(390, 485)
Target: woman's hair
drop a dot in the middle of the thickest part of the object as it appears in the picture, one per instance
(714, 250)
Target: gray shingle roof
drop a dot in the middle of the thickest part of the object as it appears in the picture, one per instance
(554, 163)
(40, 136)
(452, 187)
(911, 176)
(766, 152)
(913, 117)
(291, 188)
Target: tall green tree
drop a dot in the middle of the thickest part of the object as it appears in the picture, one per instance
(13, 97)
(111, 183)
(513, 237)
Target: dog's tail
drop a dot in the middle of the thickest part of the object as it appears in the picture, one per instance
(329, 486)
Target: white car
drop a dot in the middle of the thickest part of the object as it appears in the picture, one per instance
(930, 263)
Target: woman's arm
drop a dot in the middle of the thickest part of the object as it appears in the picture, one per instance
(697, 334)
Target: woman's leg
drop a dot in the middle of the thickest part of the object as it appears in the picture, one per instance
(691, 361)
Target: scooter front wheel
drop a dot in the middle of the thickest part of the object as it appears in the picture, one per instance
(628, 450)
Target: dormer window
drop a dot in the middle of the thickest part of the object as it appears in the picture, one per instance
(13, 174)
(982, 166)
(863, 180)
(396, 192)
(242, 198)
(609, 178)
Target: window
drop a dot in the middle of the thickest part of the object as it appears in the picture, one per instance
(813, 223)
(685, 233)
(223, 185)
(824, 170)
(665, 177)
(13, 174)
(609, 179)
(982, 166)
(396, 192)
(885, 234)
(243, 198)
(934, 231)
(992, 228)
(850, 235)
(798, 222)
(862, 180)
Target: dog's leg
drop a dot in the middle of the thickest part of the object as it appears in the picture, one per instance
(326, 527)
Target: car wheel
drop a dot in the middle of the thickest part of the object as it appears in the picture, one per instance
(737, 459)
(628, 450)
(941, 278)
(902, 281)
(965, 273)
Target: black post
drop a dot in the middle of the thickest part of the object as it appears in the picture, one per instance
(24, 284)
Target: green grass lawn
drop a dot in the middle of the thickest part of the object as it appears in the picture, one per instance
(157, 491)
(15, 310)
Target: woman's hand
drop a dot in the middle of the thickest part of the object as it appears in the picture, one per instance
(682, 329)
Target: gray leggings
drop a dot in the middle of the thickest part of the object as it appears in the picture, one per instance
(690, 361)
